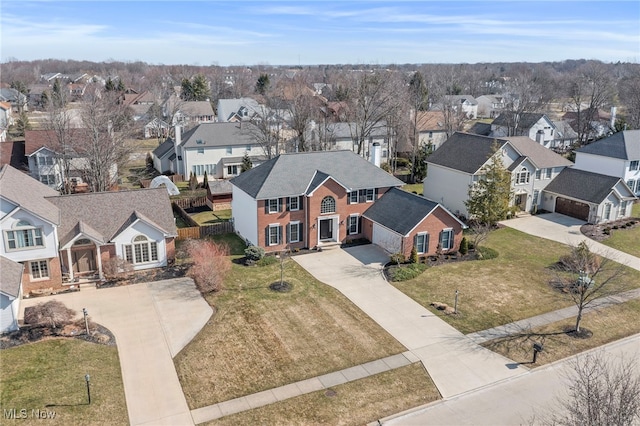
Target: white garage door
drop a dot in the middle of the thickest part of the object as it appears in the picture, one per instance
(388, 240)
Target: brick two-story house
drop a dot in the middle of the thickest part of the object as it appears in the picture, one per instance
(315, 199)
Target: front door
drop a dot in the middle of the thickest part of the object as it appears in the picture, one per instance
(326, 229)
(83, 260)
(521, 201)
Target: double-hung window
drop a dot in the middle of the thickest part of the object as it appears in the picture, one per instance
(294, 203)
(538, 174)
(634, 165)
(274, 234)
(353, 197)
(294, 232)
(446, 239)
(370, 195)
(607, 211)
(422, 243)
(353, 223)
(523, 176)
(273, 205)
(548, 171)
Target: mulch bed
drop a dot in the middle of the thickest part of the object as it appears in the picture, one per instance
(75, 330)
(156, 274)
(604, 230)
(432, 261)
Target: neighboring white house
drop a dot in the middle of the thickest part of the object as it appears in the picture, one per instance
(241, 109)
(10, 294)
(215, 148)
(345, 136)
(592, 197)
(459, 162)
(535, 126)
(431, 128)
(459, 103)
(187, 113)
(617, 155)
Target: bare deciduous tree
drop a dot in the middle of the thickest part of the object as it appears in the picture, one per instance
(602, 391)
(586, 277)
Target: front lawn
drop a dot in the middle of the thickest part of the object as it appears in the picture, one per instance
(260, 339)
(513, 286)
(607, 325)
(50, 376)
(626, 240)
(355, 403)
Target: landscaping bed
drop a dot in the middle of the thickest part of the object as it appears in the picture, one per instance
(75, 330)
(603, 231)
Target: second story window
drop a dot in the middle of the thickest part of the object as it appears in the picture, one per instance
(634, 165)
(328, 205)
(24, 235)
(523, 176)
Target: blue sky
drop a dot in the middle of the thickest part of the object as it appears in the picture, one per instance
(320, 32)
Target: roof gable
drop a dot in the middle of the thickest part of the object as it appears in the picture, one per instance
(26, 192)
(10, 277)
(583, 185)
(464, 152)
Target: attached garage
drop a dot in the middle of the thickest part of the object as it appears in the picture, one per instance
(387, 239)
(572, 208)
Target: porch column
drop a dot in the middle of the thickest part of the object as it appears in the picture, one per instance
(69, 265)
(99, 256)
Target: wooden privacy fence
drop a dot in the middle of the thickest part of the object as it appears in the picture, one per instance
(203, 231)
(189, 203)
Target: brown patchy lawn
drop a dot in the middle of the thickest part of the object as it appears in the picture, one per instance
(608, 324)
(354, 403)
(260, 339)
(511, 287)
(49, 375)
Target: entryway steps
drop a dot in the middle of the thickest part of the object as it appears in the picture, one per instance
(271, 396)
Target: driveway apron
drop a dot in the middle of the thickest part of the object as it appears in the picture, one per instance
(152, 322)
(454, 362)
(566, 230)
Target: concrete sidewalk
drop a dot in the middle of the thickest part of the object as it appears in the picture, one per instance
(455, 363)
(271, 396)
(566, 230)
(525, 325)
(151, 322)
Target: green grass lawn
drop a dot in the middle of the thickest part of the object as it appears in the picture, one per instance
(356, 403)
(414, 187)
(626, 240)
(493, 292)
(49, 375)
(260, 339)
(209, 217)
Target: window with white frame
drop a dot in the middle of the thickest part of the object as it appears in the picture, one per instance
(328, 205)
(142, 250)
(422, 243)
(273, 205)
(24, 235)
(294, 232)
(634, 165)
(44, 160)
(446, 239)
(48, 179)
(370, 194)
(248, 148)
(200, 150)
(294, 203)
(199, 169)
(352, 224)
(607, 211)
(353, 197)
(523, 176)
(536, 197)
(623, 208)
(548, 173)
(39, 269)
(538, 174)
(274, 234)
(232, 170)
(229, 150)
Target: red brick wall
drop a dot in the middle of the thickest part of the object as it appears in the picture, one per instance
(54, 281)
(433, 224)
(282, 218)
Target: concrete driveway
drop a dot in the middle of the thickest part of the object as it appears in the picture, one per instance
(152, 322)
(454, 362)
(566, 230)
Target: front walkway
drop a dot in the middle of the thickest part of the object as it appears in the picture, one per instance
(455, 363)
(152, 322)
(566, 230)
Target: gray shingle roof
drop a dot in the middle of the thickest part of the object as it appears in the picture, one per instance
(525, 121)
(293, 174)
(228, 107)
(10, 276)
(464, 152)
(104, 214)
(220, 134)
(624, 145)
(196, 108)
(23, 190)
(164, 148)
(468, 153)
(414, 209)
(582, 185)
